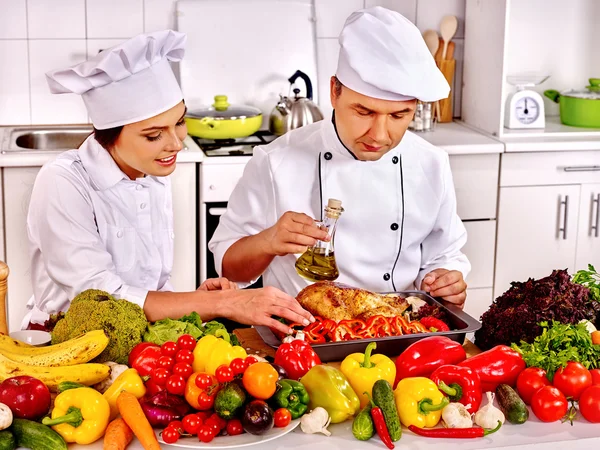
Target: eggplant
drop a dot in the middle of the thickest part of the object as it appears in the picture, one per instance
(257, 418)
(163, 408)
(281, 371)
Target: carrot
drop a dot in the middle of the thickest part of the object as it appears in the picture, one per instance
(596, 337)
(118, 435)
(132, 414)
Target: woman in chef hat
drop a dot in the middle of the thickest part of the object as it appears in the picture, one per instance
(101, 216)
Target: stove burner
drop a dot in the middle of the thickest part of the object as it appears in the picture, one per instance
(234, 147)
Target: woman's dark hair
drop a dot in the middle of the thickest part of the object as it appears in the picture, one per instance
(107, 138)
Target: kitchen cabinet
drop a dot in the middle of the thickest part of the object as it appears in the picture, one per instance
(588, 235)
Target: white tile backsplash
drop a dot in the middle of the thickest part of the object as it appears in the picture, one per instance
(159, 15)
(46, 55)
(114, 18)
(14, 87)
(13, 19)
(327, 57)
(96, 45)
(332, 14)
(408, 8)
(430, 13)
(58, 19)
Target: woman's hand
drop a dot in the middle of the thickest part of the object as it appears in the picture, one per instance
(217, 284)
(257, 306)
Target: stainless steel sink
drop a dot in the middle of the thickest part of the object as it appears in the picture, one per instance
(48, 138)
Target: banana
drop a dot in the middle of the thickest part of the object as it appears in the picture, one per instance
(87, 374)
(13, 343)
(74, 351)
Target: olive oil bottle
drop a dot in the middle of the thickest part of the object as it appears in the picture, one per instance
(317, 263)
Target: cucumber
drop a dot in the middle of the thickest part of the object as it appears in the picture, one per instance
(66, 385)
(383, 396)
(229, 401)
(511, 404)
(7, 440)
(363, 428)
(35, 436)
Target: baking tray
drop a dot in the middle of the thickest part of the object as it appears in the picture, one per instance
(460, 323)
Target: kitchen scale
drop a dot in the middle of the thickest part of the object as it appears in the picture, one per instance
(525, 107)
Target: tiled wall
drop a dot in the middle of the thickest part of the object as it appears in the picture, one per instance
(40, 35)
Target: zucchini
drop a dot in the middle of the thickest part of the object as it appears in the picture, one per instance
(35, 436)
(7, 440)
(66, 385)
(511, 404)
(363, 428)
(383, 396)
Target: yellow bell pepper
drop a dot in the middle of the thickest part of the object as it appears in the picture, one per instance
(129, 381)
(419, 402)
(80, 415)
(212, 351)
(363, 370)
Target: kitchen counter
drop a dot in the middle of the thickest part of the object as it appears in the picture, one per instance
(458, 139)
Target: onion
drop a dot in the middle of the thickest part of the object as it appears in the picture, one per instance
(163, 408)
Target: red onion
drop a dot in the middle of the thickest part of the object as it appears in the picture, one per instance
(163, 408)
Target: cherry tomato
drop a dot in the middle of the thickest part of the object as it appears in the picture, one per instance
(549, 404)
(220, 421)
(572, 380)
(204, 380)
(282, 417)
(176, 385)
(205, 401)
(224, 373)
(184, 356)
(176, 424)
(238, 366)
(214, 423)
(203, 415)
(260, 380)
(589, 404)
(169, 349)
(170, 435)
(186, 342)
(206, 433)
(595, 376)
(160, 376)
(529, 381)
(234, 427)
(165, 362)
(250, 360)
(191, 423)
(183, 369)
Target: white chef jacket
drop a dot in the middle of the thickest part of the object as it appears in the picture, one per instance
(90, 226)
(400, 219)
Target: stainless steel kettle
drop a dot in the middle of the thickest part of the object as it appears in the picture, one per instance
(290, 113)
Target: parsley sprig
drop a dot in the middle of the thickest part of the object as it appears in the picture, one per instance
(591, 280)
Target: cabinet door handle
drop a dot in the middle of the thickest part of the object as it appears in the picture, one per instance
(581, 168)
(563, 229)
(595, 228)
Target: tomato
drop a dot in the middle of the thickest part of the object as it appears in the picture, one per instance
(165, 362)
(160, 376)
(169, 348)
(177, 425)
(572, 380)
(183, 369)
(529, 381)
(204, 380)
(203, 415)
(184, 356)
(282, 417)
(250, 360)
(205, 401)
(234, 427)
(224, 373)
(260, 380)
(589, 404)
(595, 376)
(238, 365)
(170, 435)
(191, 423)
(206, 433)
(186, 342)
(193, 391)
(176, 385)
(549, 404)
(220, 421)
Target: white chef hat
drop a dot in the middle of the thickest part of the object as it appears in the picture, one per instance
(127, 83)
(383, 55)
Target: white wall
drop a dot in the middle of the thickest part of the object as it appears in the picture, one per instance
(40, 35)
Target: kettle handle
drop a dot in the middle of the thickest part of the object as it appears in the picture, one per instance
(300, 74)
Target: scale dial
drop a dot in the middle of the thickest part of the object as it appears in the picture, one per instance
(527, 110)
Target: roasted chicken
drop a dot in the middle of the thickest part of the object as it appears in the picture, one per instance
(337, 301)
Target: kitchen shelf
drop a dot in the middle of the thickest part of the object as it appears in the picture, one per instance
(554, 129)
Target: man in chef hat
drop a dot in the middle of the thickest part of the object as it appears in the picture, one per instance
(400, 229)
(101, 216)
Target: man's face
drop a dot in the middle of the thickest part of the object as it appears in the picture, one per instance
(367, 126)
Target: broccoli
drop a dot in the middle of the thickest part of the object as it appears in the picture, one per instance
(124, 323)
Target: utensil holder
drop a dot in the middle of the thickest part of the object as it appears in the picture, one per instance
(447, 67)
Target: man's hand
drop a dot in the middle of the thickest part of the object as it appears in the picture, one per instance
(292, 233)
(447, 284)
(217, 284)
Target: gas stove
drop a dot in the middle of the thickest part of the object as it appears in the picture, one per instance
(234, 147)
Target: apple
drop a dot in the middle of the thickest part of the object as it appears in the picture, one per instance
(27, 397)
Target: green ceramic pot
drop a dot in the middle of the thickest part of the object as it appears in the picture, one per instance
(579, 108)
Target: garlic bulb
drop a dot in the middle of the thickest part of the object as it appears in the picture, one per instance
(456, 415)
(316, 421)
(489, 415)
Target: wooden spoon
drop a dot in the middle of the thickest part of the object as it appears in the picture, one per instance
(432, 41)
(448, 29)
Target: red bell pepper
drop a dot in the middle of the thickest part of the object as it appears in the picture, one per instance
(435, 323)
(499, 365)
(297, 358)
(143, 358)
(421, 358)
(460, 384)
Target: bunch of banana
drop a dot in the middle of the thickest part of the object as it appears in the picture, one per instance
(87, 374)
(69, 353)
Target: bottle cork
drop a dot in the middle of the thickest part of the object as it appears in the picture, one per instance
(335, 204)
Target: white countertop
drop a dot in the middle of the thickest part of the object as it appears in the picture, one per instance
(457, 139)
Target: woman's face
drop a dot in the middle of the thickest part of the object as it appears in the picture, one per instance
(150, 147)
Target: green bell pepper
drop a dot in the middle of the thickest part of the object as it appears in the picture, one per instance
(293, 396)
(329, 388)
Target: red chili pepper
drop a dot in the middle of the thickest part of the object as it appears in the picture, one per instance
(297, 358)
(379, 422)
(460, 384)
(460, 433)
(435, 323)
(499, 365)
